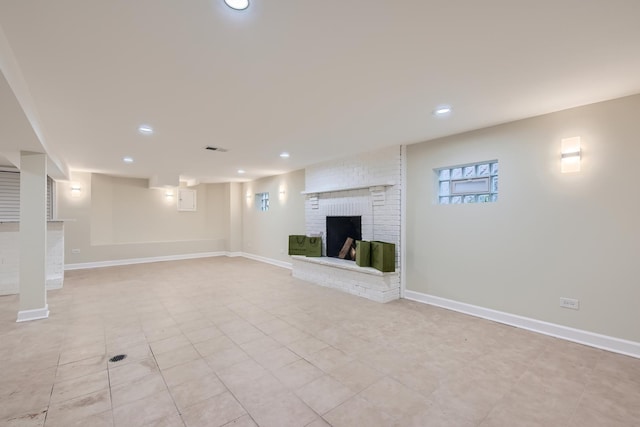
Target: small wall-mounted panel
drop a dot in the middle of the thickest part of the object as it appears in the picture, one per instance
(186, 200)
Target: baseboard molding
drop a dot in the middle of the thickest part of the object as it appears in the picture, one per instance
(233, 254)
(266, 260)
(38, 313)
(616, 345)
(130, 261)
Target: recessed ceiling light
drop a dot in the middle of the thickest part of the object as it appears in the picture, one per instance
(284, 155)
(127, 159)
(241, 171)
(237, 4)
(442, 111)
(145, 129)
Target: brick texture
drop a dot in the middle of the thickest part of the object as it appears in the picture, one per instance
(378, 202)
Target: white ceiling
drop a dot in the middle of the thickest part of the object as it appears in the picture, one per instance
(319, 79)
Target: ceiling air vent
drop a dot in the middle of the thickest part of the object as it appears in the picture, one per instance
(220, 149)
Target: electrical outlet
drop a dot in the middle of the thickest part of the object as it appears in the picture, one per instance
(571, 303)
(75, 251)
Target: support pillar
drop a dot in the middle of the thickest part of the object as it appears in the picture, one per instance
(33, 236)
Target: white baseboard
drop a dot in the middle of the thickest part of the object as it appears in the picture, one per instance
(233, 254)
(267, 260)
(38, 313)
(131, 261)
(617, 345)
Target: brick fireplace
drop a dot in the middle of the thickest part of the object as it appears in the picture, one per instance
(368, 186)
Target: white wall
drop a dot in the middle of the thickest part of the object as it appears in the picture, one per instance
(120, 218)
(266, 233)
(550, 235)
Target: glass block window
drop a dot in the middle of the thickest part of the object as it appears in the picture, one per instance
(262, 201)
(476, 183)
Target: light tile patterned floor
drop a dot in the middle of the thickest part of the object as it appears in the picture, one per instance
(229, 341)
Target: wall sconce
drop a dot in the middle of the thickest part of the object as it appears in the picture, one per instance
(75, 190)
(168, 194)
(571, 155)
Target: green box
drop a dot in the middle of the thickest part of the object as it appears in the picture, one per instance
(314, 246)
(297, 245)
(383, 256)
(363, 253)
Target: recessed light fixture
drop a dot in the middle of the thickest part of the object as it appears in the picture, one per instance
(145, 129)
(127, 159)
(241, 171)
(442, 111)
(284, 155)
(237, 4)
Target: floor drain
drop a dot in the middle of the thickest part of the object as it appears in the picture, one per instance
(117, 358)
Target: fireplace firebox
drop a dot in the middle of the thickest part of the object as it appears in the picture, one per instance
(339, 230)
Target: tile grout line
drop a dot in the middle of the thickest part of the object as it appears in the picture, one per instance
(167, 386)
(46, 415)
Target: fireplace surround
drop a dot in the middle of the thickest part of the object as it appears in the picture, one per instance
(368, 186)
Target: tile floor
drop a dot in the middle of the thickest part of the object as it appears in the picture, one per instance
(232, 342)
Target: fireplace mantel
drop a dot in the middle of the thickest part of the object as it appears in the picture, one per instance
(348, 188)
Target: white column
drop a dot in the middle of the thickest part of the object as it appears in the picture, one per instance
(234, 235)
(33, 236)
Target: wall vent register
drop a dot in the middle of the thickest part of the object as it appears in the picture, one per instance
(472, 183)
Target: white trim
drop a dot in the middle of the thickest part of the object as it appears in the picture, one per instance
(129, 261)
(403, 220)
(266, 260)
(38, 313)
(349, 188)
(617, 345)
(341, 264)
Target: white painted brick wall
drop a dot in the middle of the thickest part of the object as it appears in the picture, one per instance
(380, 288)
(380, 217)
(378, 204)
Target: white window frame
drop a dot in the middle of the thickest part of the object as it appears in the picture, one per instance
(458, 187)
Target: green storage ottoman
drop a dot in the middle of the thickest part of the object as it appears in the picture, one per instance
(363, 253)
(383, 256)
(297, 245)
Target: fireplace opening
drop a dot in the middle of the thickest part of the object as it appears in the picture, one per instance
(342, 233)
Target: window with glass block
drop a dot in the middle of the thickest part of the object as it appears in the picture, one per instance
(475, 183)
(262, 201)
